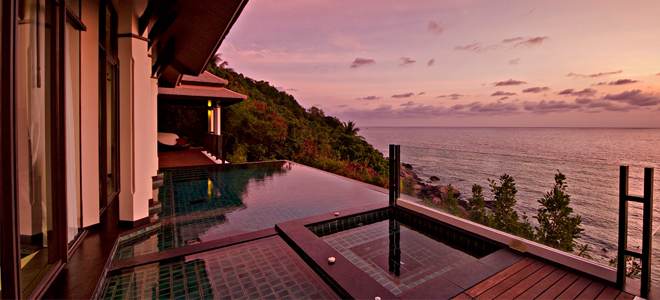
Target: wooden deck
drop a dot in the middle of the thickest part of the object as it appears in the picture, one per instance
(183, 158)
(533, 279)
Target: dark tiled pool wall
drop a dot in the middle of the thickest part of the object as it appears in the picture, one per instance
(338, 225)
(453, 238)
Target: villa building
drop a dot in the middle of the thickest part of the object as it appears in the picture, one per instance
(87, 85)
(80, 81)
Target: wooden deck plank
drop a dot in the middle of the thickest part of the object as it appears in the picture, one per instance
(511, 281)
(592, 291)
(499, 277)
(609, 293)
(625, 296)
(559, 287)
(543, 285)
(462, 296)
(576, 288)
(527, 283)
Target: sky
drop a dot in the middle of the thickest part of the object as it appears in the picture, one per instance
(575, 63)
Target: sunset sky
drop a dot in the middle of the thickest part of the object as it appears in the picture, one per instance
(460, 62)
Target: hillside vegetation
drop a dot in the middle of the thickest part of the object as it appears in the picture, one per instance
(271, 125)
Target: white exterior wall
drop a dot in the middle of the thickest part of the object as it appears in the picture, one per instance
(137, 116)
(89, 112)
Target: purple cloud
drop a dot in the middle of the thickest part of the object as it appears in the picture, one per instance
(436, 27)
(406, 61)
(635, 98)
(453, 96)
(623, 81)
(406, 95)
(431, 62)
(502, 93)
(509, 82)
(583, 100)
(536, 89)
(503, 98)
(343, 105)
(368, 98)
(359, 62)
(421, 93)
(583, 93)
(594, 75)
(409, 103)
(551, 106)
(514, 62)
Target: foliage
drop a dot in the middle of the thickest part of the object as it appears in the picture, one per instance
(503, 216)
(633, 266)
(477, 205)
(270, 124)
(557, 228)
(451, 202)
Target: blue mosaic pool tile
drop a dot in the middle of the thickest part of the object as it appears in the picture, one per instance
(263, 269)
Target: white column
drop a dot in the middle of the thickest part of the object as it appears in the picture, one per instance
(137, 116)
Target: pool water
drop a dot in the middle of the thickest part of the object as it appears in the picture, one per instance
(199, 204)
(390, 249)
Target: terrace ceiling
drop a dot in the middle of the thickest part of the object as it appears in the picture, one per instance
(185, 34)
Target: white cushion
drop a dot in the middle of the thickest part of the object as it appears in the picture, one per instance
(167, 138)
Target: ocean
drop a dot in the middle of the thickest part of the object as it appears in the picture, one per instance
(589, 157)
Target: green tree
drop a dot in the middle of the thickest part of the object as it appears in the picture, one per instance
(504, 216)
(350, 129)
(477, 204)
(557, 228)
(451, 202)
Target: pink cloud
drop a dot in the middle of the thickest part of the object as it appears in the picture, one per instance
(431, 62)
(436, 27)
(594, 75)
(368, 98)
(514, 62)
(476, 47)
(509, 82)
(406, 95)
(583, 93)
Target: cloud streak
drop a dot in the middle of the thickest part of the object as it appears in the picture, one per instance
(514, 62)
(431, 62)
(502, 93)
(453, 96)
(601, 74)
(536, 89)
(583, 93)
(476, 47)
(360, 62)
(368, 98)
(509, 82)
(406, 61)
(525, 42)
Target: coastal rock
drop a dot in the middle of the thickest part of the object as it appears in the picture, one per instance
(436, 201)
(464, 204)
(407, 166)
(409, 175)
(434, 178)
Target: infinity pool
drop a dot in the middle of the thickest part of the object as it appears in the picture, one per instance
(198, 204)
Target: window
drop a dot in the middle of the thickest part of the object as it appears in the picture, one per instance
(108, 106)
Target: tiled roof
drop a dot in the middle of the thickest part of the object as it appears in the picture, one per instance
(205, 78)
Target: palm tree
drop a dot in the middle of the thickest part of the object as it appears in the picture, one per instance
(350, 129)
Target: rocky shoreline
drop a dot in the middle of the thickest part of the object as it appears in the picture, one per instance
(414, 186)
